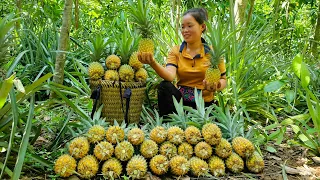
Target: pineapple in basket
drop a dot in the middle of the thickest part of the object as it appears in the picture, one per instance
(126, 73)
(134, 62)
(141, 75)
(95, 71)
(113, 62)
(111, 75)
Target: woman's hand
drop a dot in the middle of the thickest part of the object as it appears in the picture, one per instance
(146, 58)
(212, 87)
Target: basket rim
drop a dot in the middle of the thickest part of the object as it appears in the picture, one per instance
(117, 84)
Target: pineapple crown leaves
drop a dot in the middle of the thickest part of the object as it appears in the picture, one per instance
(97, 47)
(180, 118)
(151, 117)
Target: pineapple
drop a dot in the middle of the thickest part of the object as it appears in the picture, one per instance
(115, 134)
(199, 167)
(211, 133)
(96, 134)
(175, 135)
(137, 167)
(126, 73)
(141, 75)
(179, 165)
(88, 167)
(112, 169)
(79, 147)
(149, 148)
(134, 62)
(124, 151)
(168, 149)
(113, 62)
(158, 134)
(212, 75)
(185, 150)
(159, 164)
(235, 163)
(255, 163)
(242, 146)
(103, 150)
(111, 75)
(217, 166)
(65, 165)
(95, 71)
(223, 149)
(203, 150)
(135, 136)
(193, 135)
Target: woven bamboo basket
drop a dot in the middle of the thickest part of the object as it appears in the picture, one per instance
(111, 100)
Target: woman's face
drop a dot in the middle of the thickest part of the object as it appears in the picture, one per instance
(191, 30)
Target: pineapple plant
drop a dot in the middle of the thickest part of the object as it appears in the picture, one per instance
(126, 73)
(65, 166)
(211, 134)
(242, 146)
(193, 135)
(113, 62)
(168, 149)
(185, 150)
(111, 75)
(135, 136)
(124, 151)
(217, 166)
(141, 75)
(199, 167)
(111, 169)
(88, 167)
(134, 62)
(223, 149)
(79, 147)
(103, 150)
(115, 134)
(158, 134)
(159, 164)
(234, 163)
(95, 134)
(137, 167)
(149, 148)
(179, 165)
(255, 163)
(203, 150)
(95, 71)
(175, 135)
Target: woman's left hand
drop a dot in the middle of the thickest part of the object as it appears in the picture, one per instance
(211, 87)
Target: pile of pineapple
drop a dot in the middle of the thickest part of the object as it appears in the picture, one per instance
(163, 152)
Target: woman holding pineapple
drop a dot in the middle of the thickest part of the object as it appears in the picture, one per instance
(192, 63)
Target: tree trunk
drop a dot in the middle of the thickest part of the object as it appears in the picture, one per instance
(316, 38)
(76, 14)
(63, 43)
(240, 11)
(19, 7)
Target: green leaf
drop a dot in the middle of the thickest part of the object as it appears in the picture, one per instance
(271, 149)
(18, 84)
(303, 138)
(305, 75)
(273, 86)
(295, 128)
(5, 89)
(290, 95)
(296, 64)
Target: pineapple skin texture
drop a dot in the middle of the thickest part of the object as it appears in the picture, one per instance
(243, 147)
(113, 62)
(141, 75)
(185, 150)
(126, 73)
(175, 135)
(149, 148)
(211, 134)
(212, 75)
(79, 147)
(134, 61)
(124, 151)
(199, 167)
(193, 135)
(223, 149)
(135, 136)
(95, 71)
(158, 134)
(103, 150)
(255, 163)
(146, 45)
(65, 165)
(159, 164)
(168, 149)
(179, 165)
(235, 163)
(137, 167)
(112, 168)
(96, 134)
(203, 150)
(88, 167)
(111, 75)
(217, 166)
(114, 133)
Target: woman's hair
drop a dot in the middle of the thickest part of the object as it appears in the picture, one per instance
(199, 14)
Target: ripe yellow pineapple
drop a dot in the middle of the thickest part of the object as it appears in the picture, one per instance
(179, 165)
(79, 147)
(135, 136)
(134, 62)
(96, 133)
(175, 135)
(203, 150)
(199, 167)
(159, 164)
(65, 166)
(242, 146)
(146, 45)
(115, 134)
(126, 73)
(235, 163)
(255, 163)
(103, 150)
(88, 167)
(158, 134)
(168, 149)
(111, 75)
(95, 71)
(193, 135)
(212, 75)
(211, 134)
(141, 75)
(185, 150)
(137, 167)
(223, 149)
(124, 151)
(112, 169)
(149, 148)
(113, 62)
(217, 166)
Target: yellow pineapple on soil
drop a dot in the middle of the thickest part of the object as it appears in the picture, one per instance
(158, 134)
(96, 134)
(159, 164)
(65, 166)
(211, 134)
(193, 135)
(199, 167)
(79, 147)
(112, 169)
(242, 146)
(115, 134)
(149, 148)
(185, 150)
(255, 163)
(135, 136)
(234, 163)
(179, 165)
(175, 135)
(223, 149)
(203, 150)
(103, 150)
(137, 167)
(88, 167)
(217, 166)
(168, 149)
(124, 151)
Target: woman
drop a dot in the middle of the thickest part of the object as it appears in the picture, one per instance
(188, 62)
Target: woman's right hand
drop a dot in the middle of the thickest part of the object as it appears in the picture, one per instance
(146, 58)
